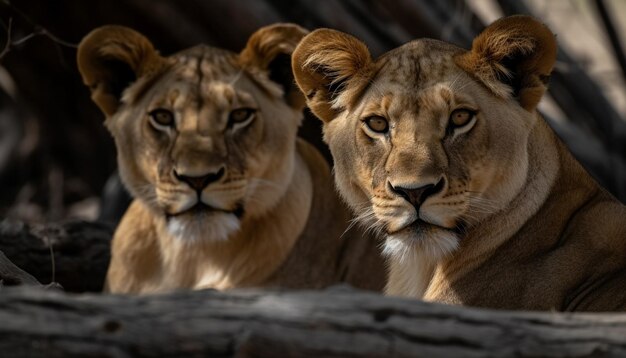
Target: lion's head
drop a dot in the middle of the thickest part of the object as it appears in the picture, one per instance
(429, 139)
(205, 137)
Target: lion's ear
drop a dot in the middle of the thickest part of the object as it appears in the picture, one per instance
(514, 56)
(110, 58)
(330, 68)
(269, 50)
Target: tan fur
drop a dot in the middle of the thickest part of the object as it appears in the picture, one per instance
(271, 218)
(515, 221)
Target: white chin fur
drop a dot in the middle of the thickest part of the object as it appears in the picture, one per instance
(412, 258)
(213, 227)
(430, 245)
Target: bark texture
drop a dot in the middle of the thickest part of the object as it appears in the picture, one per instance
(339, 322)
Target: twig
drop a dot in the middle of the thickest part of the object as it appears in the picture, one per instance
(52, 262)
(10, 45)
(38, 31)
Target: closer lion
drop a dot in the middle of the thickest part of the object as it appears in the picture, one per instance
(443, 151)
(225, 194)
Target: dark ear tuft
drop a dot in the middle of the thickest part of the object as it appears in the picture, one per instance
(513, 57)
(122, 76)
(280, 70)
(327, 64)
(110, 58)
(269, 50)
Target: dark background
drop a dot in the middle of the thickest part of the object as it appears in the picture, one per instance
(56, 156)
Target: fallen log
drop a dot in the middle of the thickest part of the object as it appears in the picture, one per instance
(338, 322)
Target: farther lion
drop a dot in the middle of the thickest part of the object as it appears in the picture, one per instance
(225, 194)
(442, 150)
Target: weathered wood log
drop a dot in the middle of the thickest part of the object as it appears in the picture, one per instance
(74, 254)
(339, 322)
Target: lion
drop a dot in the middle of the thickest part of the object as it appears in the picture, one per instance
(442, 151)
(225, 194)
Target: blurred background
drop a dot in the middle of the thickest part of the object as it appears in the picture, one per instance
(56, 156)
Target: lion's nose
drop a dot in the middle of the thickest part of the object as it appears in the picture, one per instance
(417, 196)
(200, 182)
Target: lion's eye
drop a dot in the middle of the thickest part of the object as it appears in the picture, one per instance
(162, 117)
(377, 123)
(240, 115)
(461, 117)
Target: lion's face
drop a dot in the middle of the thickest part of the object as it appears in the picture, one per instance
(208, 140)
(423, 148)
(205, 144)
(417, 154)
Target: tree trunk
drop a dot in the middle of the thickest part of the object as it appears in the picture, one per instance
(339, 322)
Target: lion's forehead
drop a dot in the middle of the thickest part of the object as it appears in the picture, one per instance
(202, 63)
(418, 64)
(201, 86)
(418, 78)
(199, 75)
(205, 74)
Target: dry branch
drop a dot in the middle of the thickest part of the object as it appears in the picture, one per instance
(10, 43)
(336, 323)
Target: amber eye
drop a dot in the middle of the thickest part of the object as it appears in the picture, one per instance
(377, 123)
(461, 117)
(162, 117)
(241, 115)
